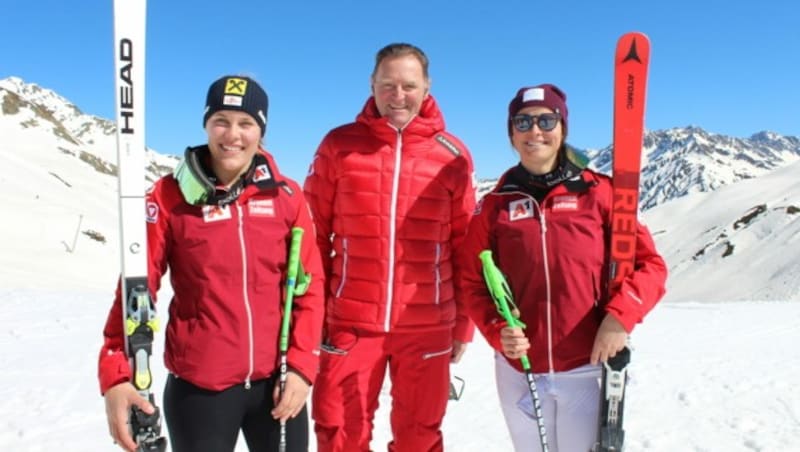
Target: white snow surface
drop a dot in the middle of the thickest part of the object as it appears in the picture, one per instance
(704, 377)
(715, 366)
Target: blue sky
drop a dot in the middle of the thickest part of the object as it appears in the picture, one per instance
(729, 67)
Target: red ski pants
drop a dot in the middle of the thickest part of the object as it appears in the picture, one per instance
(352, 369)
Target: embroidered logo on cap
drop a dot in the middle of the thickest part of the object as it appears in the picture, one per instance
(236, 86)
(533, 94)
(234, 92)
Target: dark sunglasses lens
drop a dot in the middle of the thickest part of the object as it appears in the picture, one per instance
(523, 123)
(547, 122)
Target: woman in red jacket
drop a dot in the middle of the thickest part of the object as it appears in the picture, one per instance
(547, 224)
(226, 248)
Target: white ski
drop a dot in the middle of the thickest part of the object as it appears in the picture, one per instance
(138, 309)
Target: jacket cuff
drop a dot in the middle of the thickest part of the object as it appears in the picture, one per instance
(628, 321)
(113, 370)
(305, 365)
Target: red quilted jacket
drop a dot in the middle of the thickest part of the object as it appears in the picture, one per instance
(390, 207)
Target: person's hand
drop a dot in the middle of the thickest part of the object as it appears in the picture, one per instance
(611, 338)
(458, 351)
(294, 397)
(514, 342)
(119, 400)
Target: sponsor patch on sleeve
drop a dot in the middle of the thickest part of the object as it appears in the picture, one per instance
(151, 214)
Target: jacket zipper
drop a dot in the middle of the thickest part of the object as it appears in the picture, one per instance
(548, 291)
(438, 271)
(344, 268)
(393, 231)
(246, 298)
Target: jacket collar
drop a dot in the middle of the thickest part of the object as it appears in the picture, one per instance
(428, 122)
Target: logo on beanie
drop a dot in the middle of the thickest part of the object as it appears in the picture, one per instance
(236, 86)
(234, 92)
(533, 94)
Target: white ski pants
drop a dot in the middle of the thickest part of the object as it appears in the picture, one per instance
(570, 406)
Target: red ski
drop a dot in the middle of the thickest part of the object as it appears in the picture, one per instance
(630, 80)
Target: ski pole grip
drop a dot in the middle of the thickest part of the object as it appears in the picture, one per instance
(496, 283)
(501, 294)
(291, 281)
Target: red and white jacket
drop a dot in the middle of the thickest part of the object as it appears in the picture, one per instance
(554, 255)
(227, 268)
(391, 207)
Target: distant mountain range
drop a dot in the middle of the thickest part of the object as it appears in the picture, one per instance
(88, 138)
(684, 160)
(725, 212)
(680, 161)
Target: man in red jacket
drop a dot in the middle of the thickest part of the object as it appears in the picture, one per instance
(391, 196)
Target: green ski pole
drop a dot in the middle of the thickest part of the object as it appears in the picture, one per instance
(504, 301)
(291, 282)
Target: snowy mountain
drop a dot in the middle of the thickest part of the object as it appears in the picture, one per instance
(680, 161)
(29, 111)
(59, 180)
(739, 242)
(734, 215)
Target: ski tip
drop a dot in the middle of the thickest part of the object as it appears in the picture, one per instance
(634, 35)
(633, 46)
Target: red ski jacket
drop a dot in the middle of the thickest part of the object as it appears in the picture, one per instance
(554, 256)
(390, 207)
(227, 268)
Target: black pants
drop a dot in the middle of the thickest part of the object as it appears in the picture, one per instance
(199, 420)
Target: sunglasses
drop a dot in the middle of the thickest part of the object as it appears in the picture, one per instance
(545, 121)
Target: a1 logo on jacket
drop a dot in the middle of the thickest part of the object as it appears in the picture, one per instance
(520, 209)
(216, 213)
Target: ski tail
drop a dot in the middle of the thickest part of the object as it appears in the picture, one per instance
(631, 62)
(611, 435)
(138, 308)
